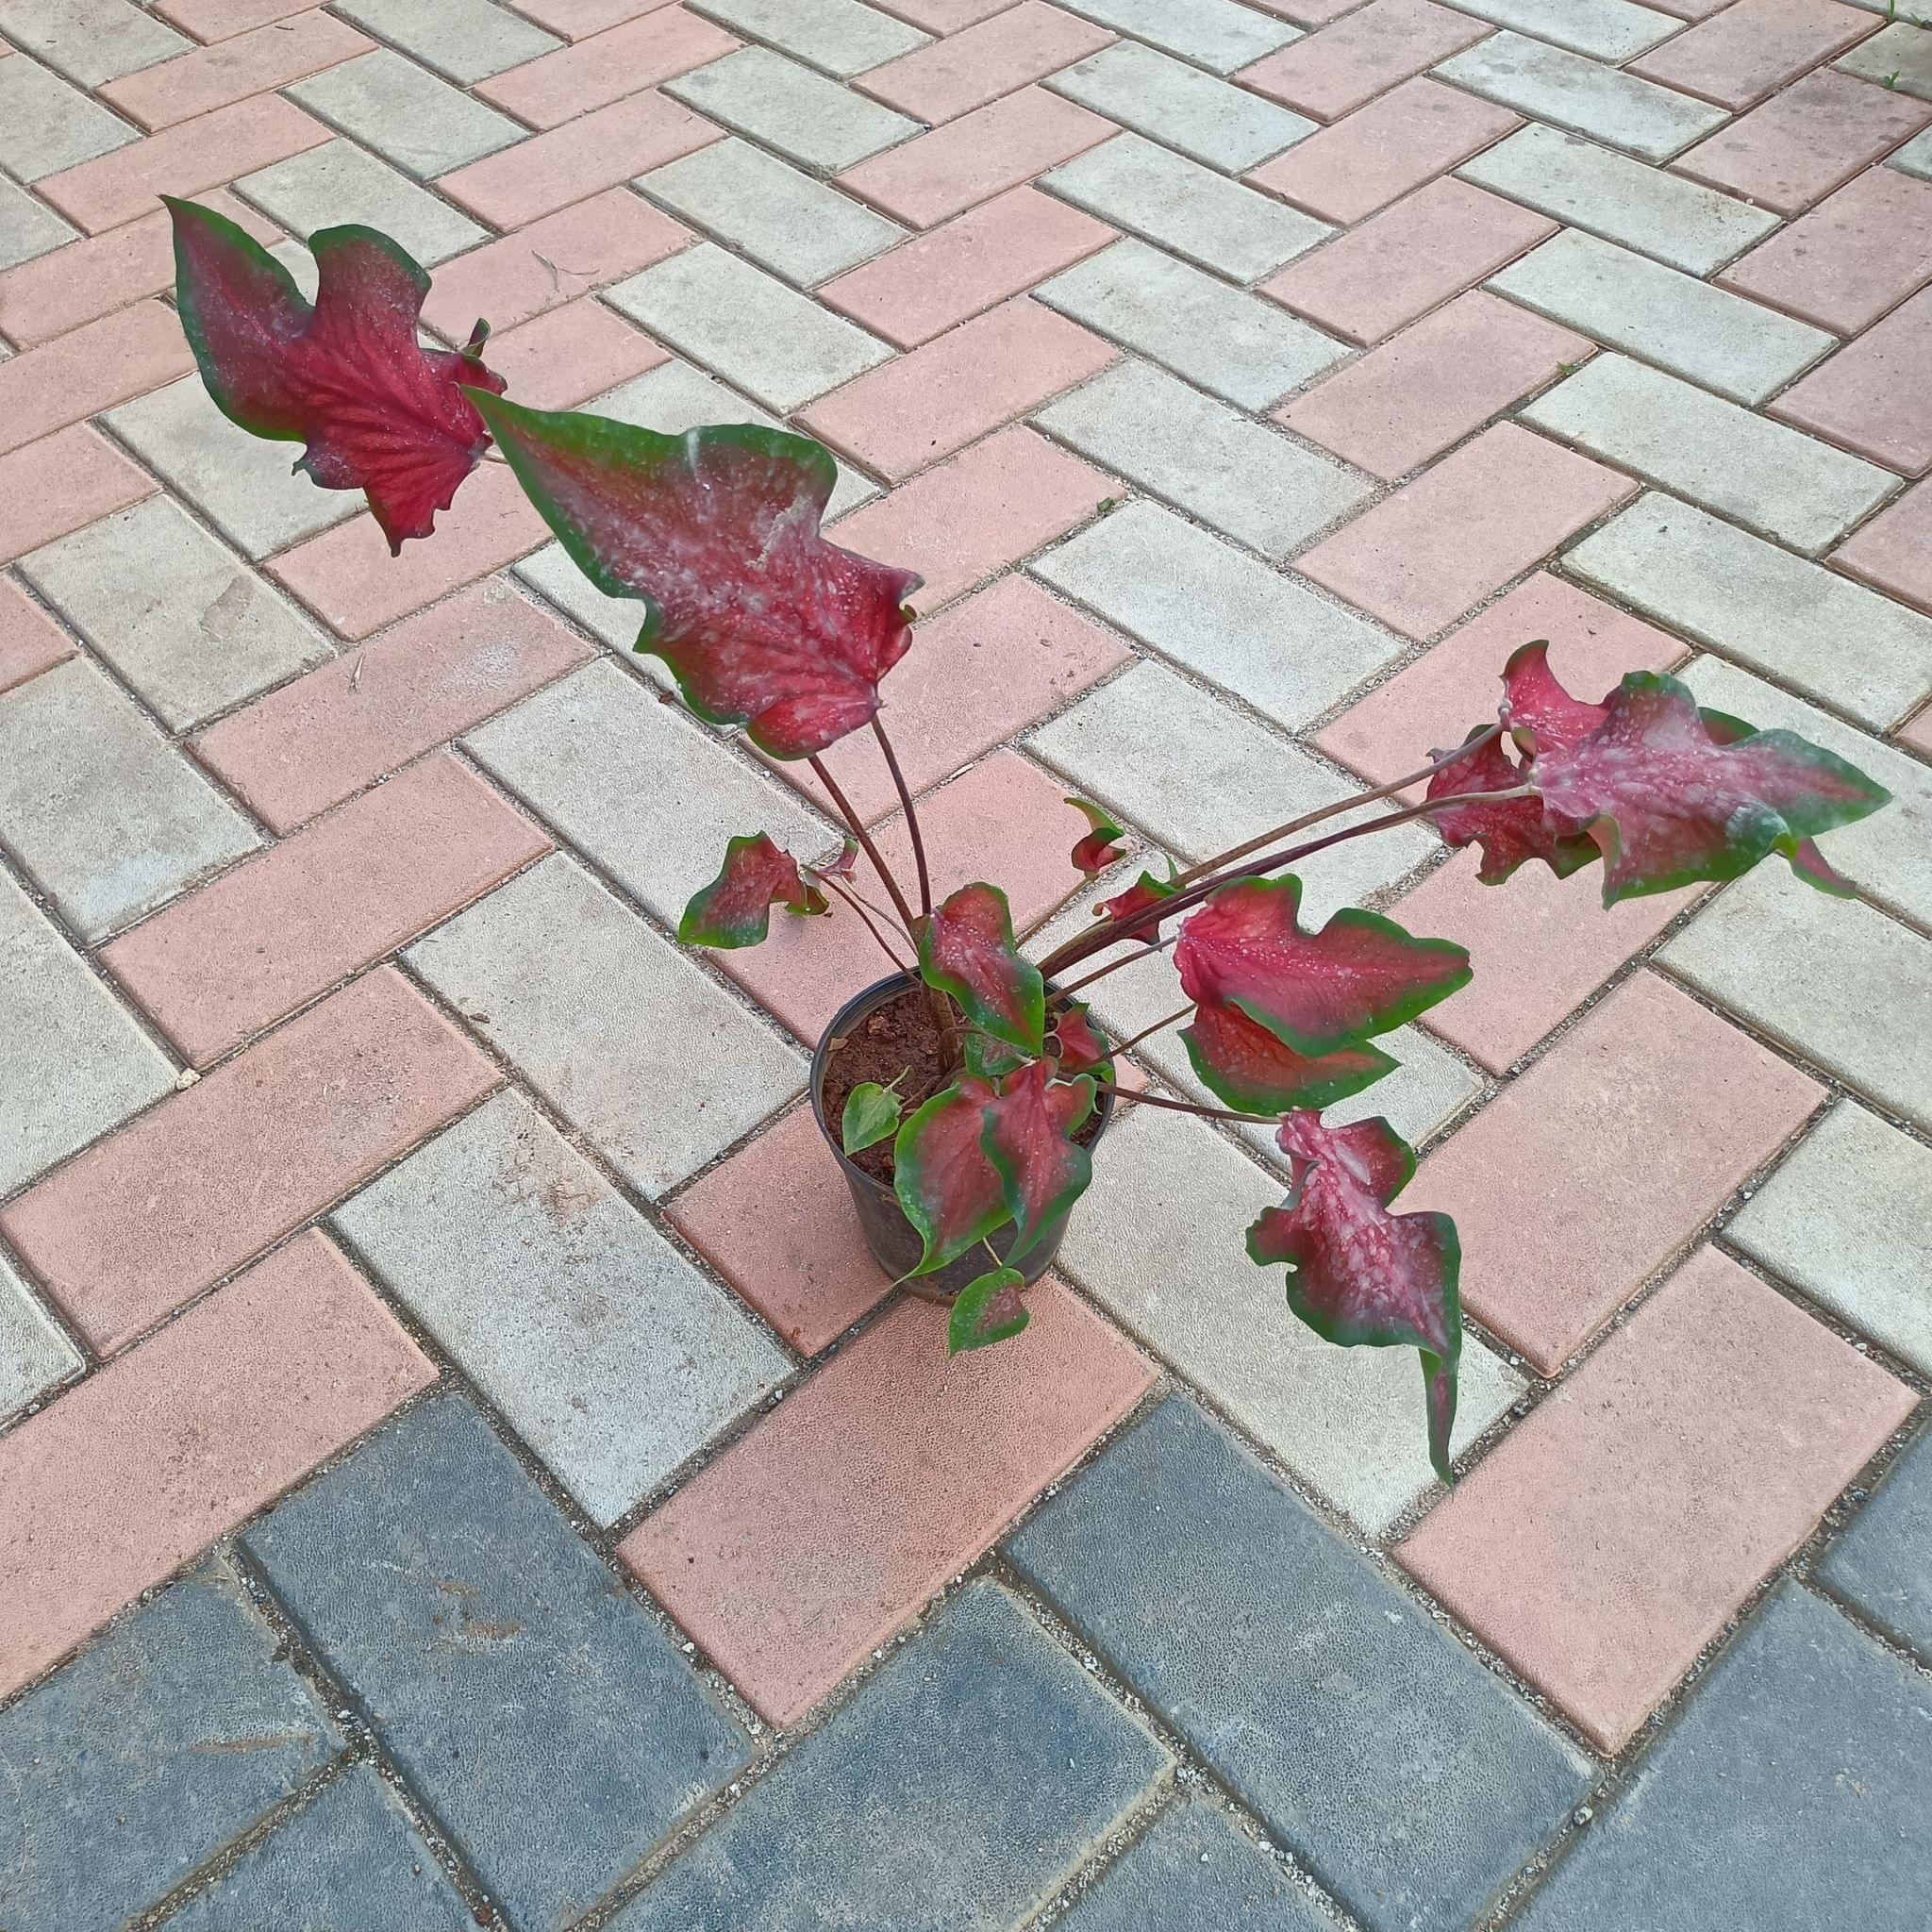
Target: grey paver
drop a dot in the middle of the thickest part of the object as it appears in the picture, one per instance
(1774, 480)
(1568, 91)
(1605, 29)
(813, 121)
(421, 124)
(108, 818)
(1848, 1219)
(1229, 471)
(547, 1720)
(606, 1350)
(748, 327)
(1161, 1245)
(1180, 107)
(635, 784)
(784, 219)
(1888, 855)
(1898, 56)
(190, 627)
(1216, 34)
(1194, 1869)
(140, 1760)
(1200, 777)
(1883, 1563)
(73, 1062)
(1218, 612)
(1859, 652)
(341, 182)
(1915, 157)
(465, 39)
(1411, 1779)
(552, 574)
(563, 971)
(246, 485)
(90, 40)
(960, 1788)
(1569, 179)
(1708, 335)
(1834, 979)
(1791, 1795)
(1918, 13)
(27, 227)
(34, 1354)
(349, 1857)
(1241, 346)
(841, 35)
(1185, 207)
(46, 125)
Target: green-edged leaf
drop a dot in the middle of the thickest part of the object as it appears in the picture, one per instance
(1080, 1046)
(871, 1113)
(1028, 1138)
(986, 1310)
(967, 950)
(734, 909)
(1241, 1061)
(1508, 831)
(763, 622)
(1100, 847)
(1146, 891)
(1807, 860)
(990, 1059)
(1360, 1275)
(950, 1191)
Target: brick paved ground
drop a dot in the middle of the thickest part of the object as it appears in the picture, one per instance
(455, 1463)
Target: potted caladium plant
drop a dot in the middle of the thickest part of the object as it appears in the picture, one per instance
(964, 1095)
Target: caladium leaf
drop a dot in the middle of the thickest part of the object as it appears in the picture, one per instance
(1358, 1275)
(967, 950)
(986, 1310)
(1239, 1060)
(990, 1059)
(1028, 1131)
(1146, 891)
(1099, 848)
(1541, 714)
(1080, 1048)
(1360, 974)
(1806, 862)
(871, 1113)
(950, 1192)
(1512, 829)
(763, 622)
(840, 867)
(734, 909)
(348, 377)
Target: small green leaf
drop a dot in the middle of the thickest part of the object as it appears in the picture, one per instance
(987, 1311)
(871, 1113)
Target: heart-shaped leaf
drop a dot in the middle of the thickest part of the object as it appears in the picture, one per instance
(1028, 1138)
(378, 412)
(1359, 975)
(950, 1191)
(734, 909)
(1244, 1063)
(1099, 848)
(986, 1310)
(763, 622)
(967, 950)
(1357, 1275)
(1081, 1049)
(871, 1113)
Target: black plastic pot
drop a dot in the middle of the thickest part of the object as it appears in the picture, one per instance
(893, 1240)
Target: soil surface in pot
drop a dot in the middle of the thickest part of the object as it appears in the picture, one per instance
(899, 1037)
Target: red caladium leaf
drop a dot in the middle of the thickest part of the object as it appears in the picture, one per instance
(1244, 1063)
(986, 1310)
(1358, 1275)
(966, 949)
(1542, 715)
(1360, 974)
(1146, 893)
(763, 622)
(1042, 1170)
(1081, 1050)
(1806, 862)
(1512, 829)
(378, 412)
(950, 1192)
(734, 909)
(1099, 848)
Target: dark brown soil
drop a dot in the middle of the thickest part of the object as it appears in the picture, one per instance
(900, 1037)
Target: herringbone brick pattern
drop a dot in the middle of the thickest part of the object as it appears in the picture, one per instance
(1246, 378)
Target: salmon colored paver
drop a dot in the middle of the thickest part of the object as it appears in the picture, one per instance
(460, 1458)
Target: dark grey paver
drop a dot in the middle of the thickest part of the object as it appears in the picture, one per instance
(548, 1721)
(1883, 1563)
(143, 1758)
(959, 1790)
(351, 1858)
(1194, 1869)
(1792, 1796)
(1412, 1780)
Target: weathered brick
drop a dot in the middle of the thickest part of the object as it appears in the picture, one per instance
(966, 69)
(606, 67)
(203, 78)
(1336, 70)
(89, 370)
(33, 1353)
(46, 125)
(842, 37)
(341, 182)
(463, 40)
(60, 483)
(1610, 30)
(807, 118)
(1879, 1564)
(420, 123)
